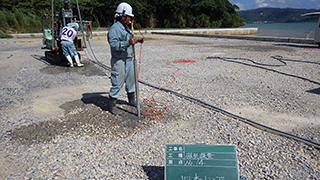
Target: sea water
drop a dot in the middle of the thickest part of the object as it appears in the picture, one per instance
(292, 30)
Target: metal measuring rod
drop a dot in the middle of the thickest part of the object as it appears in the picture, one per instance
(136, 74)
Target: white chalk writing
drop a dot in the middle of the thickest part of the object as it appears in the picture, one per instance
(197, 177)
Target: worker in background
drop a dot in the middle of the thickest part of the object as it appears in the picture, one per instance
(121, 41)
(68, 34)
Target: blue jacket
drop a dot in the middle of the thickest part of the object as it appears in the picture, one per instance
(118, 38)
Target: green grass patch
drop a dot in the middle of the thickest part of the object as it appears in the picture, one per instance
(19, 22)
(5, 35)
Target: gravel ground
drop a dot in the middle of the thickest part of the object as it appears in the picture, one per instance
(55, 123)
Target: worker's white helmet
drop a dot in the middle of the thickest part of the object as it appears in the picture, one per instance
(124, 9)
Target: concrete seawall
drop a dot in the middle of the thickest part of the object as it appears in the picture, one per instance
(229, 33)
(222, 31)
(244, 37)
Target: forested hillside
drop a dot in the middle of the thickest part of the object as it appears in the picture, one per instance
(277, 15)
(148, 13)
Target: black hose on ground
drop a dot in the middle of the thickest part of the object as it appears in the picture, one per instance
(245, 120)
(206, 105)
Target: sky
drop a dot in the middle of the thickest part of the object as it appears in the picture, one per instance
(298, 4)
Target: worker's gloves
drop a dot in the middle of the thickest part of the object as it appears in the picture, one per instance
(136, 40)
(132, 41)
(141, 40)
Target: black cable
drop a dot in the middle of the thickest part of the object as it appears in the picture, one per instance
(279, 58)
(206, 105)
(245, 120)
(95, 58)
(235, 60)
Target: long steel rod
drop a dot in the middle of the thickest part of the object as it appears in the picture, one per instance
(53, 10)
(136, 74)
(136, 81)
(81, 25)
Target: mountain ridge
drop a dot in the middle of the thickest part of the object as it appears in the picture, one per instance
(277, 15)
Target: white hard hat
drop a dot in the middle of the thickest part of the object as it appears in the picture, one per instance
(124, 9)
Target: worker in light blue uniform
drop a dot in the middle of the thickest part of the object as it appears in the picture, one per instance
(122, 66)
(68, 34)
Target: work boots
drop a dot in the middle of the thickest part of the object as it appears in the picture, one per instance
(112, 106)
(131, 99)
(70, 61)
(78, 64)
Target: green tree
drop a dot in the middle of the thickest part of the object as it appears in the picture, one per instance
(148, 13)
